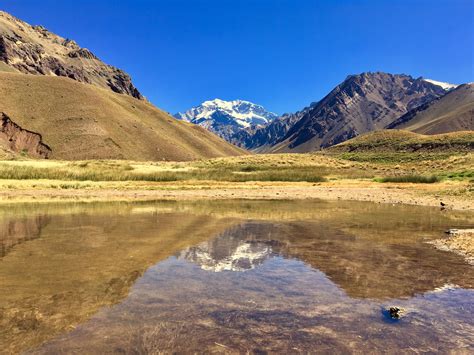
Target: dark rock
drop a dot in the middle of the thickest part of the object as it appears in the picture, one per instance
(394, 313)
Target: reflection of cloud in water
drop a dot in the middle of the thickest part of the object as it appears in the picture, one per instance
(234, 250)
(445, 287)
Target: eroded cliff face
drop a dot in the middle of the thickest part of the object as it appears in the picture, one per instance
(35, 50)
(20, 140)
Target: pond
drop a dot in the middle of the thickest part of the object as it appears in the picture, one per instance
(232, 277)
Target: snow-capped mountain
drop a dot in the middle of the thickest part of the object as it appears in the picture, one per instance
(445, 86)
(226, 118)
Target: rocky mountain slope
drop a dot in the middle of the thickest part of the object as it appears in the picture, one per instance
(48, 110)
(362, 103)
(261, 139)
(449, 113)
(34, 50)
(226, 118)
(59, 118)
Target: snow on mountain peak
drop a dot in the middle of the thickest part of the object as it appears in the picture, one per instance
(445, 86)
(227, 117)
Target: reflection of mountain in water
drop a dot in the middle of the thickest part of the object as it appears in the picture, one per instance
(13, 232)
(361, 262)
(239, 248)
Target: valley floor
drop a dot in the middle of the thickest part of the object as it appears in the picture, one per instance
(395, 178)
(443, 180)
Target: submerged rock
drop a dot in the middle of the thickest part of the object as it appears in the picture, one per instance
(394, 313)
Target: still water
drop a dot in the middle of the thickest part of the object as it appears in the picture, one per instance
(232, 277)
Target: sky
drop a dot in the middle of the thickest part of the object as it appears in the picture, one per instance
(282, 54)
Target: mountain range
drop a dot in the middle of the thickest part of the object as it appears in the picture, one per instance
(59, 100)
(361, 103)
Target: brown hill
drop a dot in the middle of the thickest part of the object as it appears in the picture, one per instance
(34, 50)
(405, 141)
(59, 118)
(449, 113)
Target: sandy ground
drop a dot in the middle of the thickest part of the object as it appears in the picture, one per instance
(412, 194)
(461, 243)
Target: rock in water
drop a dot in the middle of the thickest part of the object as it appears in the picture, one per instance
(393, 313)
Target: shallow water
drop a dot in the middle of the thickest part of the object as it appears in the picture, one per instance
(231, 276)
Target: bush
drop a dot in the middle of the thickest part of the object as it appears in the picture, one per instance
(416, 179)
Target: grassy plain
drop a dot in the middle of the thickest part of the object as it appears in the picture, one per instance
(423, 179)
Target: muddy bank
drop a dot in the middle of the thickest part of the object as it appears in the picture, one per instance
(459, 241)
(391, 194)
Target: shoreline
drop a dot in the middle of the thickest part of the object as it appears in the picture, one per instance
(461, 243)
(410, 194)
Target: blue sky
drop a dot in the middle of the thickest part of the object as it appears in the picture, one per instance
(282, 54)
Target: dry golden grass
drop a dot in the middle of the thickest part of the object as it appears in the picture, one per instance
(287, 176)
(155, 172)
(272, 167)
(80, 121)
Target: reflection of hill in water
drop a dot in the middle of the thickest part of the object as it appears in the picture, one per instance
(85, 259)
(360, 262)
(367, 266)
(236, 249)
(14, 232)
